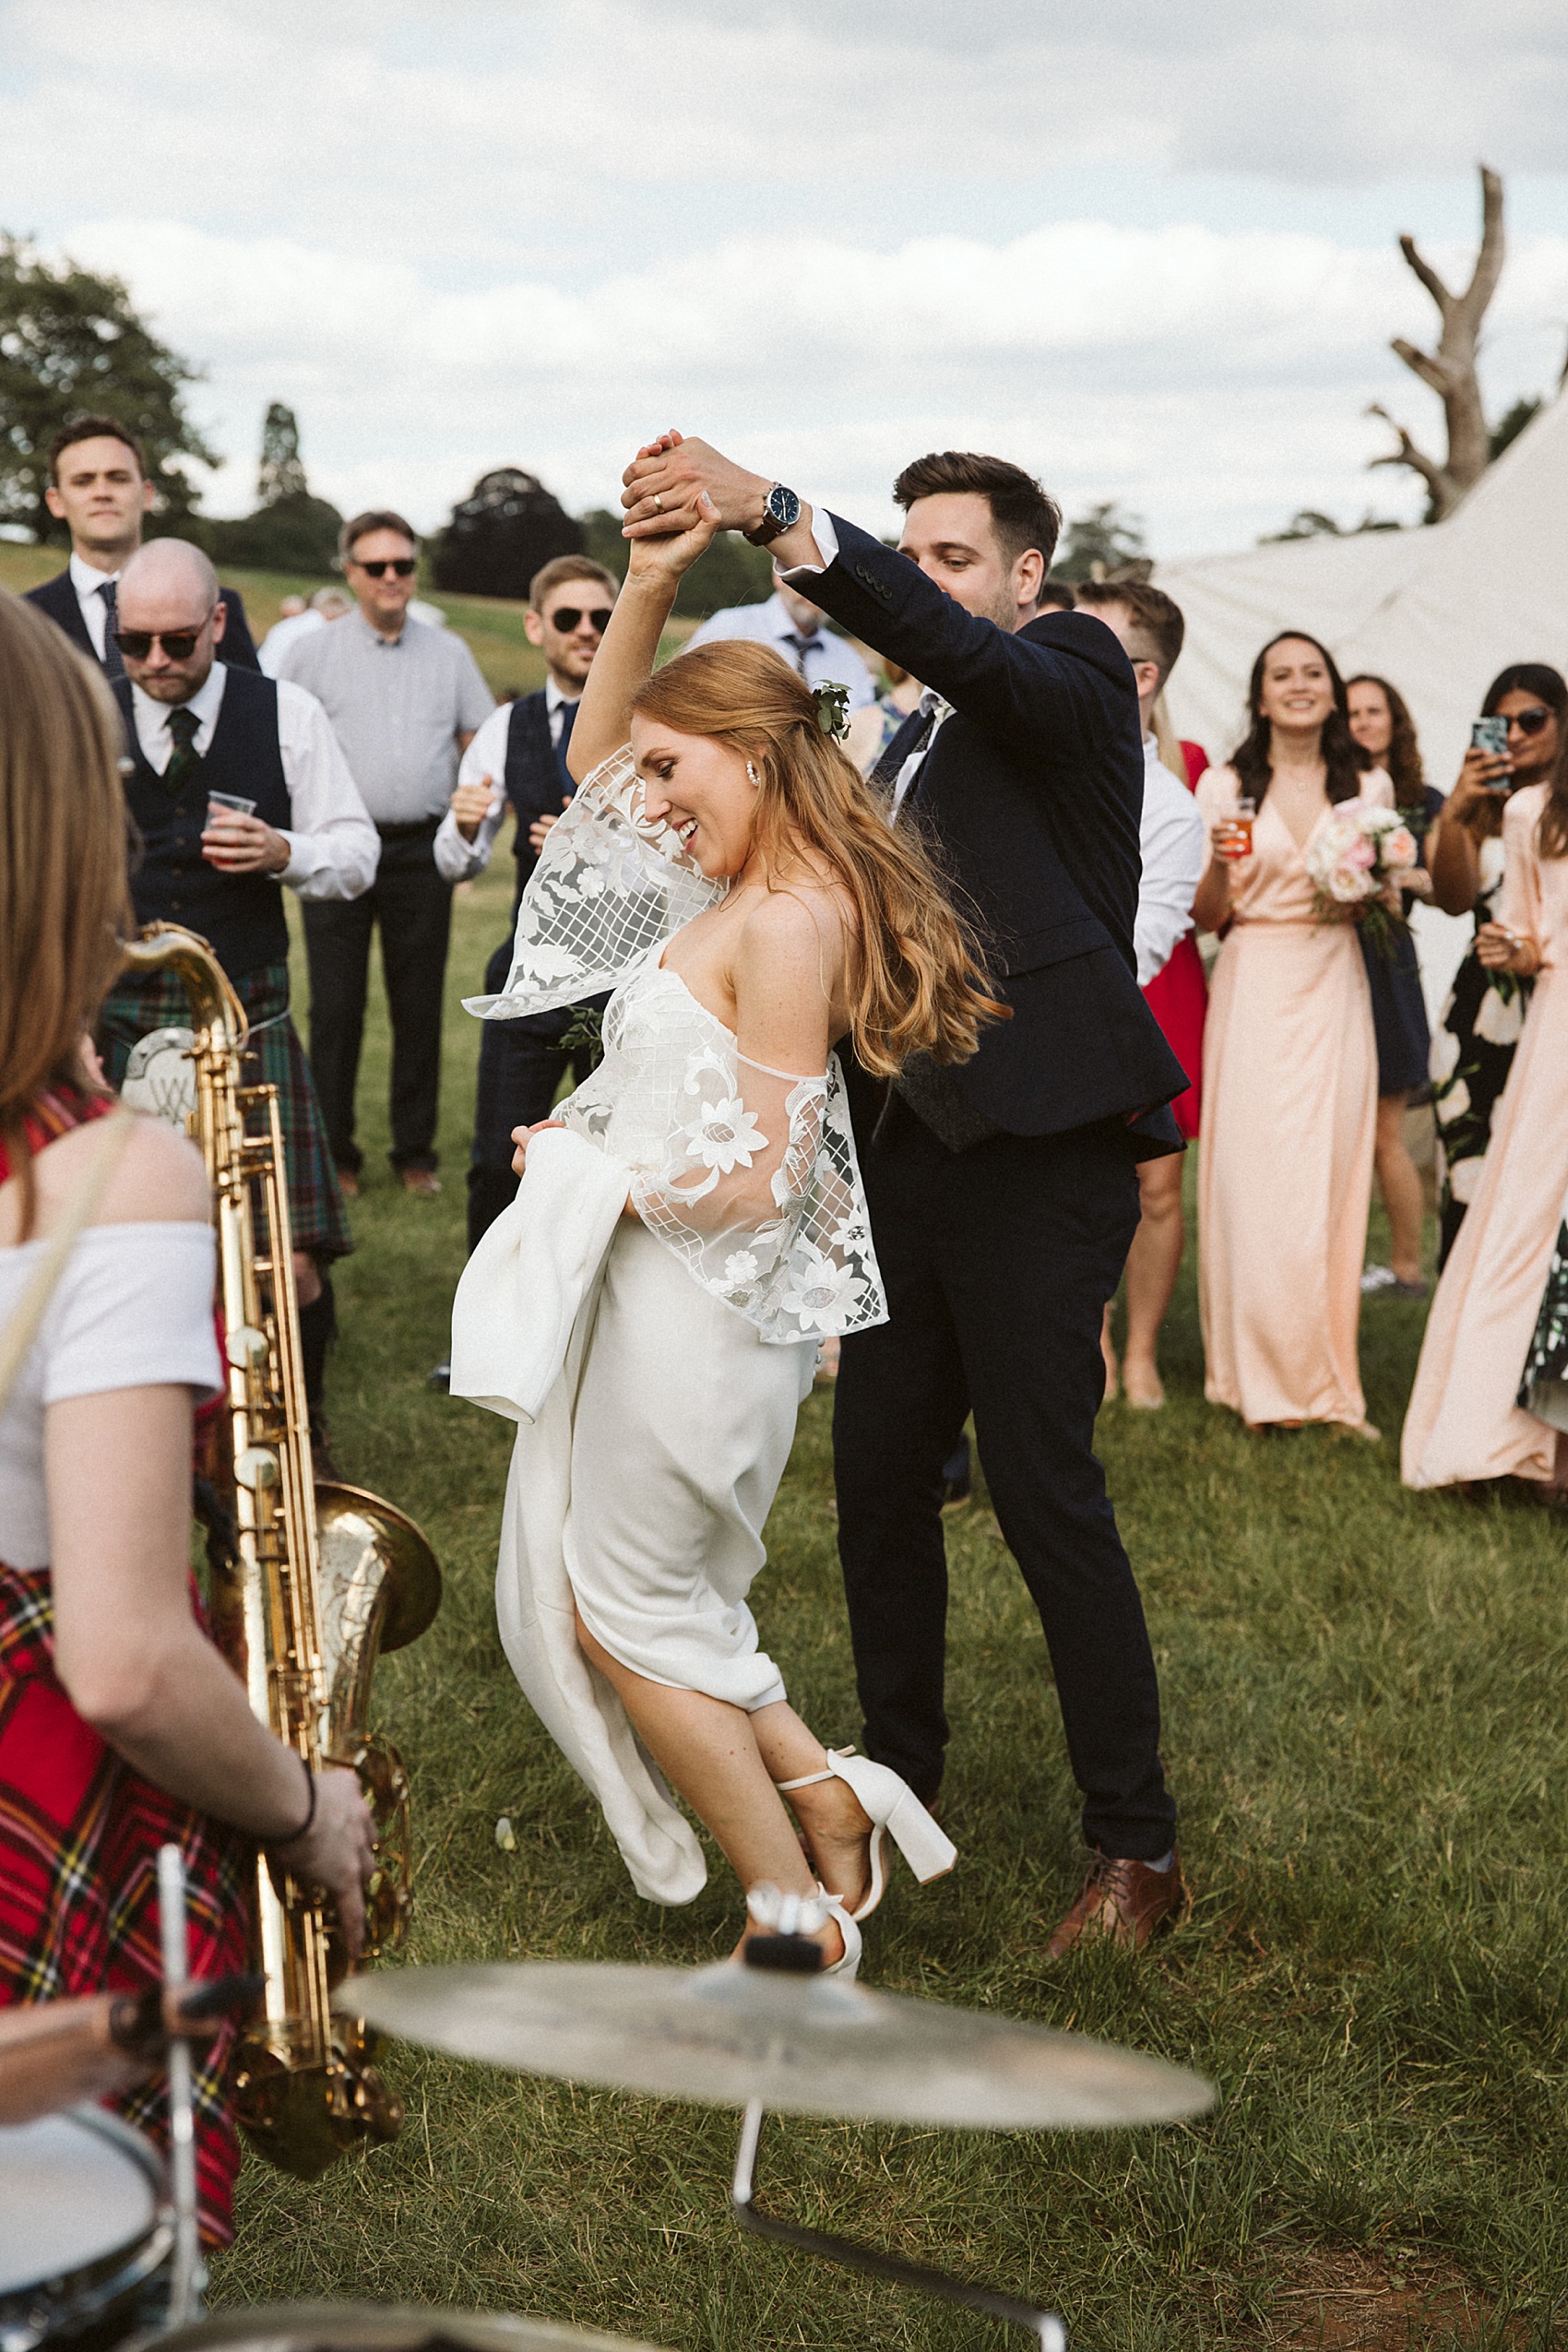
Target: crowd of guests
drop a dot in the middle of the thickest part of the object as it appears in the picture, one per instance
(362, 763)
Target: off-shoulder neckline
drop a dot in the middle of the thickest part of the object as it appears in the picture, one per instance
(796, 1078)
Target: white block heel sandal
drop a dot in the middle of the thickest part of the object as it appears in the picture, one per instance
(895, 1811)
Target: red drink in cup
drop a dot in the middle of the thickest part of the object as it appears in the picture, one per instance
(1241, 828)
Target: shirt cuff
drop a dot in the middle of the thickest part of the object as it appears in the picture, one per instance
(826, 540)
(457, 860)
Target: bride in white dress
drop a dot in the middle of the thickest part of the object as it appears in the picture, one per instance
(727, 870)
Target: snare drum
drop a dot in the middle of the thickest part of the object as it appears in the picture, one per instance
(85, 2223)
(377, 2327)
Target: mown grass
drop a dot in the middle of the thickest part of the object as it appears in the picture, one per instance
(1365, 1729)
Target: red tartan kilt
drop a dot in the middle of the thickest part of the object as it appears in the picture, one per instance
(79, 1833)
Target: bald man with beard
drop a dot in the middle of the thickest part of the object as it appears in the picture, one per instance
(239, 789)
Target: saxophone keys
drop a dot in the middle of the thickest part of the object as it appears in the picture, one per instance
(257, 1468)
(246, 1347)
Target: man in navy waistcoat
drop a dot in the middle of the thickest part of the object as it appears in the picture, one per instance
(1003, 1192)
(518, 762)
(200, 734)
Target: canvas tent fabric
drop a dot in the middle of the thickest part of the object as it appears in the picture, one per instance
(1439, 610)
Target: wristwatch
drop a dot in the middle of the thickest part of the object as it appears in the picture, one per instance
(781, 512)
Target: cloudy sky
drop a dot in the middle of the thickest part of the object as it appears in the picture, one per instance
(1144, 246)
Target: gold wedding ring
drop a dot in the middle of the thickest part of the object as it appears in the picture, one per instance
(658, 503)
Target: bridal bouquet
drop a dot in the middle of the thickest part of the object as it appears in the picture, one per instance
(1354, 856)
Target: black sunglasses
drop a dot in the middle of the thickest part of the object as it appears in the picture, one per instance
(1531, 721)
(566, 617)
(178, 644)
(404, 566)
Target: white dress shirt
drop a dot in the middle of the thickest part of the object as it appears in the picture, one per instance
(95, 615)
(457, 860)
(821, 660)
(1173, 843)
(335, 849)
(282, 635)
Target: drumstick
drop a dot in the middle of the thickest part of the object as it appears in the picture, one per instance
(188, 2278)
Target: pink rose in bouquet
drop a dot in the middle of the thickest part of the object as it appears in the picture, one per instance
(1358, 857)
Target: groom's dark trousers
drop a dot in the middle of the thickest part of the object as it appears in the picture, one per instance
(1004, 1194)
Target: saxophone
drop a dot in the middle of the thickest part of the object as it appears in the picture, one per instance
(310, 1583)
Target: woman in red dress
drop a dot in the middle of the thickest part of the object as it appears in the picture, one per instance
(122, 1728)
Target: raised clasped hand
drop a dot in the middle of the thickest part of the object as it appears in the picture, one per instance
(683, 534)
(523, 1136)
(666, 477)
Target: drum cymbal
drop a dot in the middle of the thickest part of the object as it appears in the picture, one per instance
(378, 2327)
(801, 2045)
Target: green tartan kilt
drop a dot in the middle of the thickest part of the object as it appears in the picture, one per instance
(274, 1057)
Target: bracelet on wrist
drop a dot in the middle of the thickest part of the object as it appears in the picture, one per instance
(293, 1836)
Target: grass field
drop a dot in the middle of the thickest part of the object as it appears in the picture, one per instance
(1364, 1723)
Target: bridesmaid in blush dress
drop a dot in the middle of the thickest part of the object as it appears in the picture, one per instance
(1468, 1419)
(1289, 1064)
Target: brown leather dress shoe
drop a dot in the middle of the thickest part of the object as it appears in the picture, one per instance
(1124, 1901)
(422, 1181)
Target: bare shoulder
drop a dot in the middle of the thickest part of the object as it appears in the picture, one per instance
(798, 918)
(159, 1179)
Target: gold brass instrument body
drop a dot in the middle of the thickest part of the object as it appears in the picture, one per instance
(310, 1585)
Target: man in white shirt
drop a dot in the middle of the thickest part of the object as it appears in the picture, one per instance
(792, 624)
(327, 604)
(1173, 846)
(99, 486)
(237, 785)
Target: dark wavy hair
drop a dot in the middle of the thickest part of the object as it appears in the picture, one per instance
(1549, 686)
(1342, 756)
(1403, 760)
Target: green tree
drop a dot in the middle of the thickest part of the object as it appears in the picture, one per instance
(289, 531)
(71, 344)
(281, 473)
(1098, 543)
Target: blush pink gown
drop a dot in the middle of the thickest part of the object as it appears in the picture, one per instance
(1464, 1421)
(1285, 1163)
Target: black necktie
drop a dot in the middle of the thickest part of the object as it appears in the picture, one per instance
(184, 760)
(568, 718)
(803, 647)
(884, 778)
(113, 665)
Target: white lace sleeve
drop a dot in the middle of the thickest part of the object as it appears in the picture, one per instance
(760, 1194)
(609, 888)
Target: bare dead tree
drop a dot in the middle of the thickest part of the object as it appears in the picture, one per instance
(1451, 370)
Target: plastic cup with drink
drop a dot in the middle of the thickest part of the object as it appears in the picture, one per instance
(1233, 832)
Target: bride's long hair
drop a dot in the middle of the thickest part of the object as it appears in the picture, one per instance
(916, 983)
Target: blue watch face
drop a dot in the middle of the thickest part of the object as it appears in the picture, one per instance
(783, 506)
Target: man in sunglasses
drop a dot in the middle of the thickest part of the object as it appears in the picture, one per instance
(405, 699)
(518, 760)
(97, 487)
(237, 785)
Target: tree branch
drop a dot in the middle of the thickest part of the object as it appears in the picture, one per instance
(1431, 474)
(1432, 371)
(1488, 260)
(1427, 275)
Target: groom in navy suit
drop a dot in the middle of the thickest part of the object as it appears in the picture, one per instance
(1003, 1192)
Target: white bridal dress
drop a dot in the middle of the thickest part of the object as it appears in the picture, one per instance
(656, 1416)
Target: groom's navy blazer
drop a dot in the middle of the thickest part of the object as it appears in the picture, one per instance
(1031, 795)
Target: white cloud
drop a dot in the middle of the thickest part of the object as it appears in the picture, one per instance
(1215, 382)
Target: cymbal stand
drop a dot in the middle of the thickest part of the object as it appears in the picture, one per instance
(189, 2273)
(1048, 2330)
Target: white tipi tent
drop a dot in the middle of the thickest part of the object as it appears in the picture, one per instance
(1438, 611)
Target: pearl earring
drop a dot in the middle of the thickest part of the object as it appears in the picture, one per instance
(756, 780)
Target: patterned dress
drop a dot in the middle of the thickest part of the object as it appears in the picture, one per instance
(79, 1833)
(1472, 1052)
